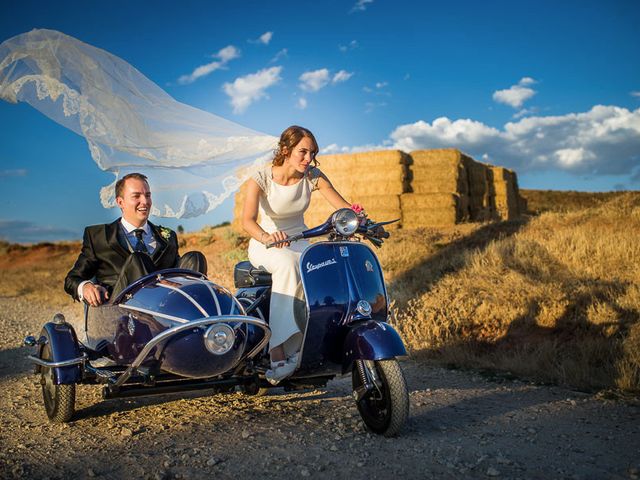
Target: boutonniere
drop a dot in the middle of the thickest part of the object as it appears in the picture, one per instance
(165, 232)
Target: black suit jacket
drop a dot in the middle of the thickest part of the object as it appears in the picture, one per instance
(104, 252)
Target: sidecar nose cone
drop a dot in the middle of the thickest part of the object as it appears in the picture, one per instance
(364, 308)
(219, 338)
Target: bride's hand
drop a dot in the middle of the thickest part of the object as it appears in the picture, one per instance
(277, 236)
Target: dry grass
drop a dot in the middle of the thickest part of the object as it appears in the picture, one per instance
(556, 299)
(540, 201)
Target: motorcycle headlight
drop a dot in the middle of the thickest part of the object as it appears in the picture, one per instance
(345, 222)
(219, 338)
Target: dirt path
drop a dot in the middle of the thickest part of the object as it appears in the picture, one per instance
(461, 426)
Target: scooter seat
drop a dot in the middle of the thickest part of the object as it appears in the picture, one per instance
(246, 275)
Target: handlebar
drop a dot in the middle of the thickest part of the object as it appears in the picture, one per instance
(371, 232)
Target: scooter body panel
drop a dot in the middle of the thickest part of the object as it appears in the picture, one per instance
(336, 276)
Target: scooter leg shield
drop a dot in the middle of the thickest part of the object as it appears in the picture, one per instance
(371, 340)
(63, 345)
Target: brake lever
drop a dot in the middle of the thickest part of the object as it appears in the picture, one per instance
(376, 241)
(286, 240)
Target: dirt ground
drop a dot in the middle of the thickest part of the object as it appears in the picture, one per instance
(461, 425)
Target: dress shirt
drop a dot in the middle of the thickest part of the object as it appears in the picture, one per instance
(148, 238)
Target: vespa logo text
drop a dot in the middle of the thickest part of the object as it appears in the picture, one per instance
(311, 267)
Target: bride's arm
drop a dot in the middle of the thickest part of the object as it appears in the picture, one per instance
(330, 194)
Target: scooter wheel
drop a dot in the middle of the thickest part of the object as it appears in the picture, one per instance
(59, 400)
(384, 410)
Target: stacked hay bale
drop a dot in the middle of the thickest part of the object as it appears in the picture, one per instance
(374, 179)
(236, 221)
(505, 193)
(481, 205)
(439, 189)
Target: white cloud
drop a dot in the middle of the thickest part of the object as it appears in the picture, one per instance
(314, 80)
(18, 172)
(361, 5)
(525, 81)
(371, 106)
(224, 56)
(302, 103)
(572, 157)
(265, 38)
(524, 112)
(352, 45)
(341, 76)
(635, 93)
(250, 88)
(516, 95)
(378, 89)
(281, 54)
(603, 140)
(228, 53)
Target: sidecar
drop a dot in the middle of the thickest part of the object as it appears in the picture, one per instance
(170, 331)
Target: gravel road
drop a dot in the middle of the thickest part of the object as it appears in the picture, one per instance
(461, 425)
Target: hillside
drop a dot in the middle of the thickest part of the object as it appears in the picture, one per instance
(554, 297)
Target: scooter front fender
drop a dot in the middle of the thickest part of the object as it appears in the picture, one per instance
(64, 346)
(371, 340)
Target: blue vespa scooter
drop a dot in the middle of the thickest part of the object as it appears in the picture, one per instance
(346, 327)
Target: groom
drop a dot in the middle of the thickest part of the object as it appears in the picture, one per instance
(115, 255)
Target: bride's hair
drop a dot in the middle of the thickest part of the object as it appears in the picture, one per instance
(289, 139)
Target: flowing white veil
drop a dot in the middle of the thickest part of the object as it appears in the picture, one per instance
(194, 159)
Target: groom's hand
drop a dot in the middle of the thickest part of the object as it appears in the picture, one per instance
(94, 295)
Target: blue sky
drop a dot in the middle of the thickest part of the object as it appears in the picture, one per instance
(551, 89)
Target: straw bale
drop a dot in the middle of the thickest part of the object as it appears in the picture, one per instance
(433, 209)
(523, 207)
(478, 174)
(503, 189)
(236, 221)
(436, 157)
(439, 180)
(429, 217)
(356, 186)
(364, 160)
(439, 170)
(413, 201)
(501, 174)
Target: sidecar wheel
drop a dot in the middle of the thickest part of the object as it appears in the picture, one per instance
(384, 412)
(59, 400)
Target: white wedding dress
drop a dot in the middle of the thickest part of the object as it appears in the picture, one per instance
(282, 207)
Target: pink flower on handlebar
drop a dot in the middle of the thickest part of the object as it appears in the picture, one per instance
(356, 207)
